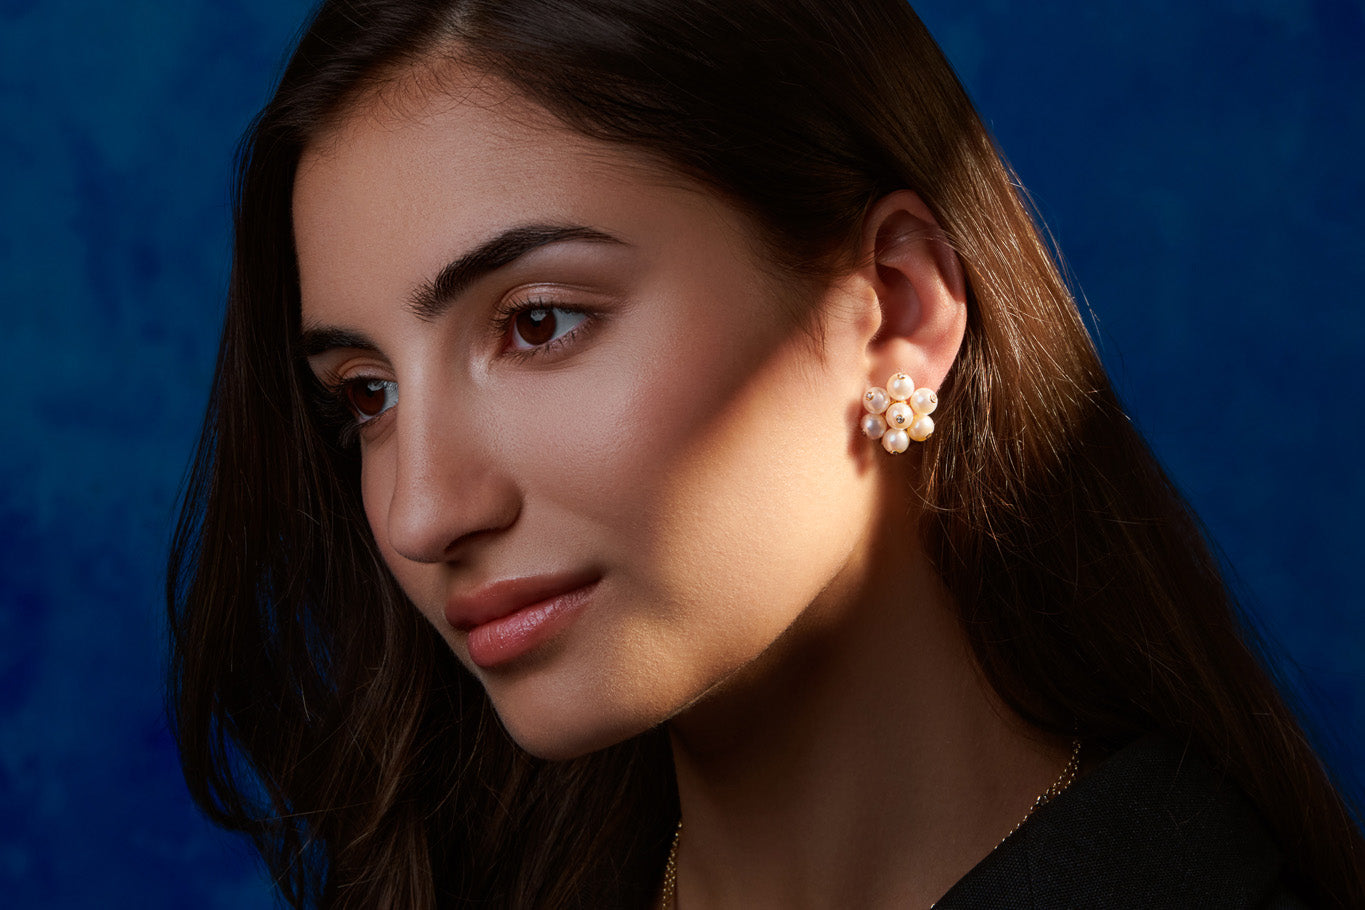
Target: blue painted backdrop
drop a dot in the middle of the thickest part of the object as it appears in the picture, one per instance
(1200, 165)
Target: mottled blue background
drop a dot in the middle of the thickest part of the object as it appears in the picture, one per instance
(1200, 165)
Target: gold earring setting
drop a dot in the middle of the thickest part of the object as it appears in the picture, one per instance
(899, 413)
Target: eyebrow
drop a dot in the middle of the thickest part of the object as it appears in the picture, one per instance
(319, 340)
(431, 299)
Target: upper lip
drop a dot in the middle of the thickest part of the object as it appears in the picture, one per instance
(503, 598)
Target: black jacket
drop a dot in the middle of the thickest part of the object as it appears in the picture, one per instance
(1152, 826)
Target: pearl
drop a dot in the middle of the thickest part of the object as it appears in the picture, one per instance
(874, 426)
(895, 441)
(924, 401)
(900, 387)
(876, 400)
(899, 415)
(922, 428)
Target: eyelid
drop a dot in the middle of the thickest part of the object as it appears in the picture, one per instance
(340, 363)
(333, 376)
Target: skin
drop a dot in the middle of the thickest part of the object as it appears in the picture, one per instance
(762, 589)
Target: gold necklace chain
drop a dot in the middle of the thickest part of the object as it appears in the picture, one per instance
(1063, 781)
(670, 886)
(1055, 789)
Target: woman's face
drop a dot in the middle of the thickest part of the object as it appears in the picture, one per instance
(598, 455)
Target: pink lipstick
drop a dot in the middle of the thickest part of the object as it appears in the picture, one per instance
(507, 619)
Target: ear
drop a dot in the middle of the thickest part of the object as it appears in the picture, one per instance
(919, 288)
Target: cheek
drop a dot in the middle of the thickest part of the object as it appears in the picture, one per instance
(719, 474)
(762, 492)
(614, 441)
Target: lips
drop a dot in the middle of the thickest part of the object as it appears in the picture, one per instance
(507, 619)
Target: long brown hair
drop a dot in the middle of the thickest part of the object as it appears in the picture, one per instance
(316, 712)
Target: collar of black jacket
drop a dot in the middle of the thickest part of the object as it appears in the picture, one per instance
(1151, 826)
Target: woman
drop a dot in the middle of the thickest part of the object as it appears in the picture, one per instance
(537, 553)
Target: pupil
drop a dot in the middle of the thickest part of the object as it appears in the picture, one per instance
(536, 326)
(368, 398)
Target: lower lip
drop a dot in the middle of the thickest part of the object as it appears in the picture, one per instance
(505, 639)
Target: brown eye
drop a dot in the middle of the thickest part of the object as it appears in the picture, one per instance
(536, 327)
(368, 398)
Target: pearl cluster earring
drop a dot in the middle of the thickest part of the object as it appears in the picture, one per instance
(899, 413)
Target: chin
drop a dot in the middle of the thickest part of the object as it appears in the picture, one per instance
(561, 736)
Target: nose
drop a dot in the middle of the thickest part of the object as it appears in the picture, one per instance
(450, 488)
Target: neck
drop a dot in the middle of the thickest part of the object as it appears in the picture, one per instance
(862, 761)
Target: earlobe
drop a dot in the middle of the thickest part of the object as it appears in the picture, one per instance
(920, 288)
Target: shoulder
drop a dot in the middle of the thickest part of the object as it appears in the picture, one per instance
(1152, 826)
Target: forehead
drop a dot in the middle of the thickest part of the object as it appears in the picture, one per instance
(439, 133)
(439, 157)
(428, 116)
